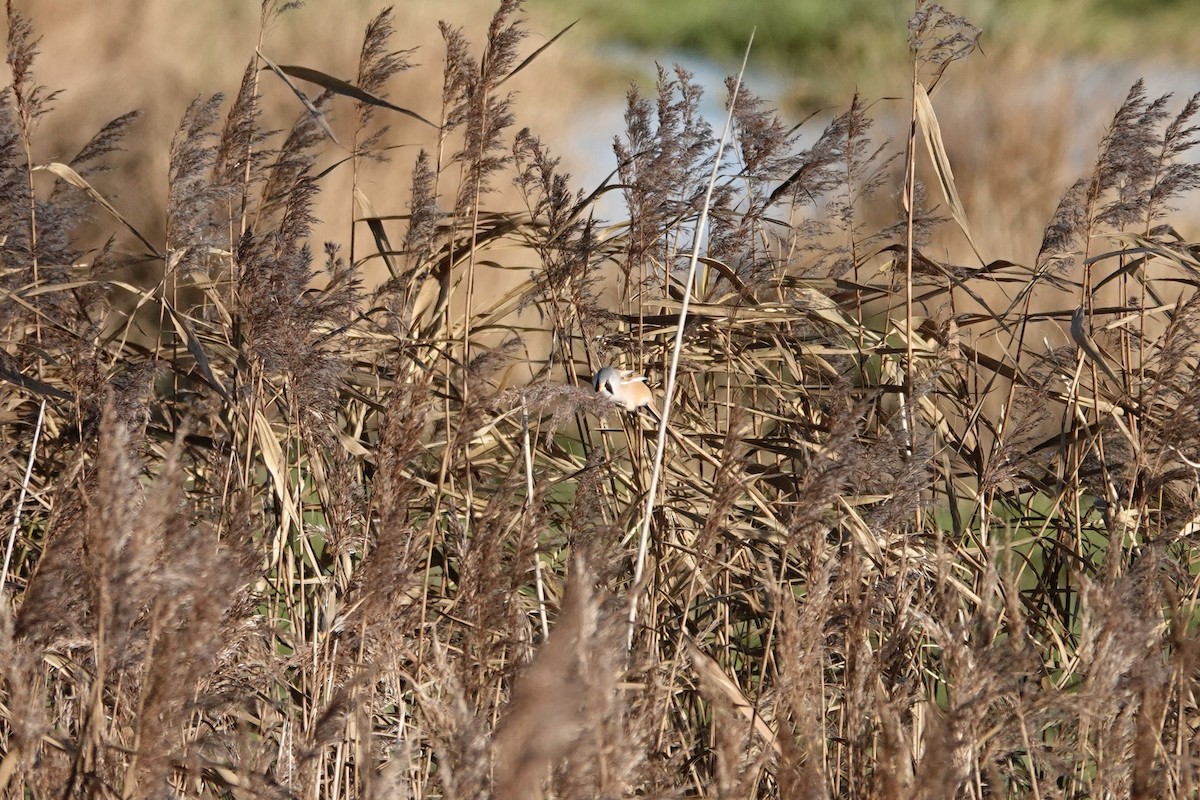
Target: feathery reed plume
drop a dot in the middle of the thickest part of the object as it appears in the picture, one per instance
(376, 66)
(423, 212)
(192, 197)
(660, 163)
(38, 243)
(562, 695)
(292, 162)
(564, 244)
(937, 37)
(1061, 239)
(90, 158)
(1173, 179)
(470, 97)
(240, 151)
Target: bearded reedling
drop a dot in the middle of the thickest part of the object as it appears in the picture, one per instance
(626, 388)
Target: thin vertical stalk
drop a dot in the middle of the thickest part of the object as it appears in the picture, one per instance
(16, 524)
(672, 372)
(537, 559)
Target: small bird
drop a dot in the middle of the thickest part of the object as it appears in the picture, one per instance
(626, 388)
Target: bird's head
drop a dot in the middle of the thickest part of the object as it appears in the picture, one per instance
(626, 388)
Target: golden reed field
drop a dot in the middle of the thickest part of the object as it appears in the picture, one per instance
(308, 491)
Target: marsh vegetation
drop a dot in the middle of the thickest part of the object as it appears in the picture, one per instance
(335, 520)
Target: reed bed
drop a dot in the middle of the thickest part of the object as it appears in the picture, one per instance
(922, 529)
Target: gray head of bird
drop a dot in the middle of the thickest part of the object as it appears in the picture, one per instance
(626, 388)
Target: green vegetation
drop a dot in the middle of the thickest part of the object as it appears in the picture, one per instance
(909, 527)
(791, 33)
(843, 45)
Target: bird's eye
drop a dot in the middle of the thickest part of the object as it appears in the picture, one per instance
(608, 387)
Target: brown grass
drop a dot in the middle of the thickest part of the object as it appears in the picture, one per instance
(924, 528)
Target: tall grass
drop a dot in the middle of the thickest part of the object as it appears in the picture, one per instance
(279, 533)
